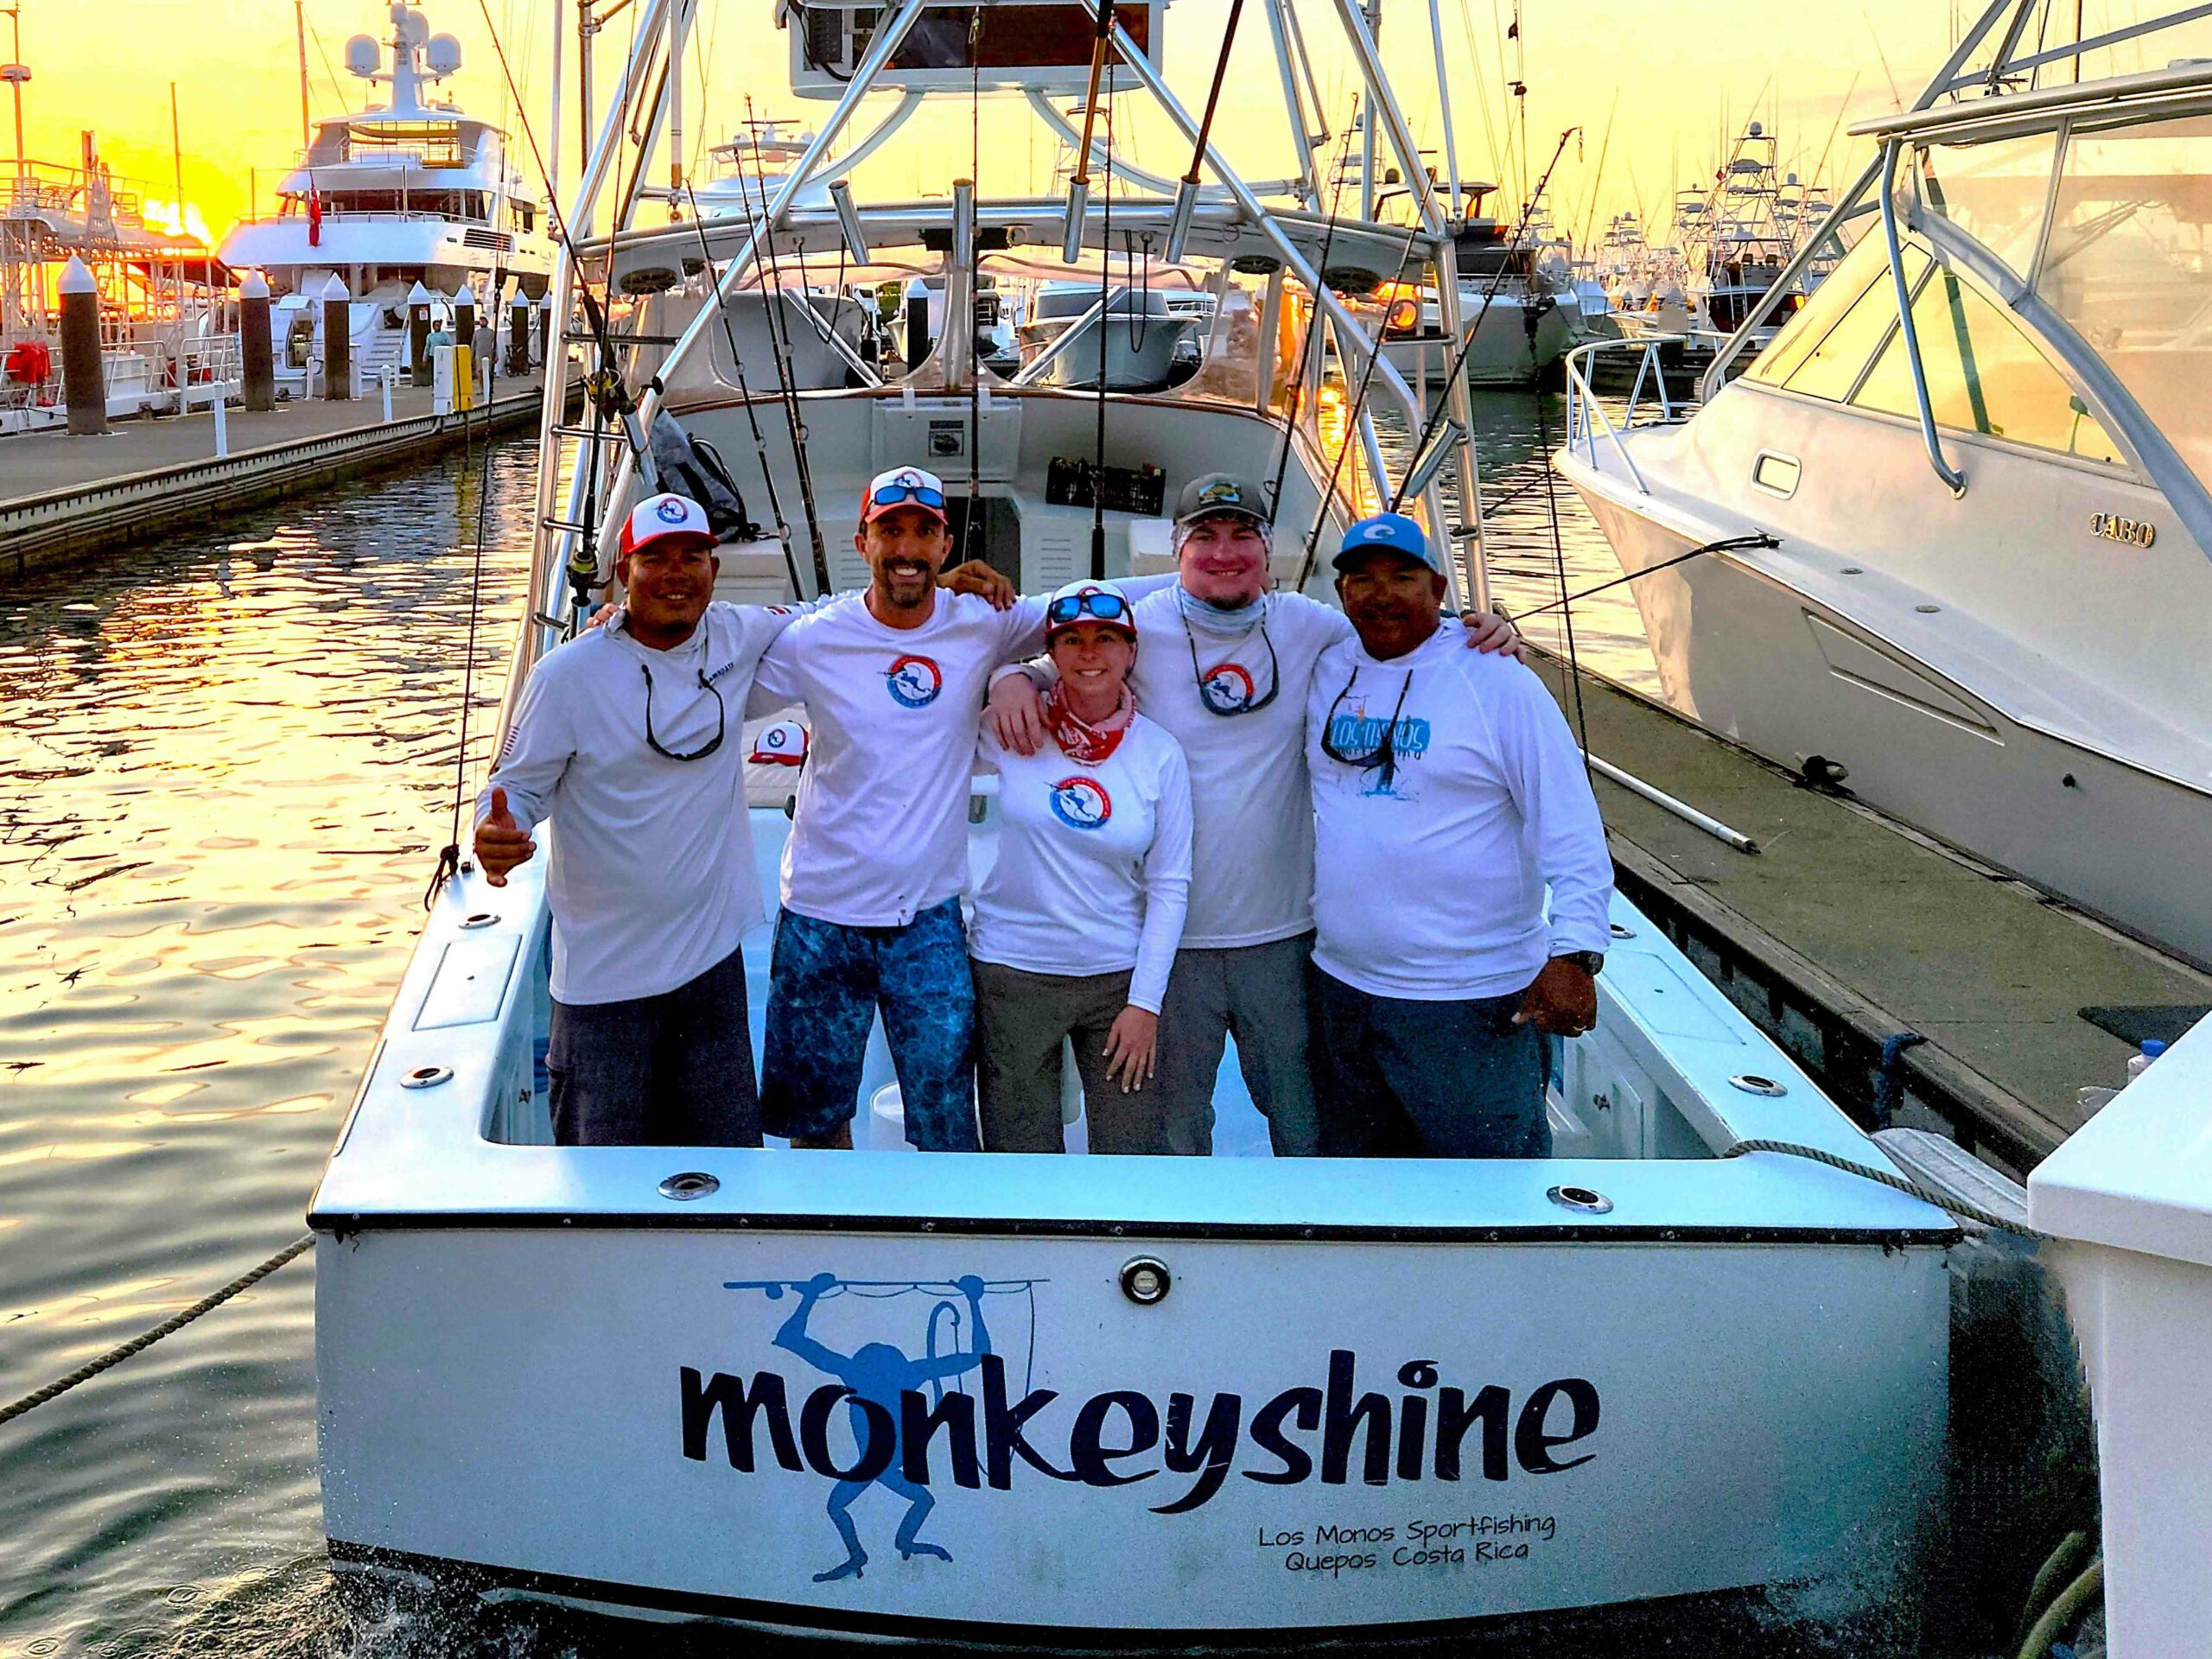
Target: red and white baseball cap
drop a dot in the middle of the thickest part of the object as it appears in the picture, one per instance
(904, 487)
(665, 518)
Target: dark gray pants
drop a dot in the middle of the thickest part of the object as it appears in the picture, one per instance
(1255, 993)
(1020, 1019)
(674, 1070)
(1397, 1079)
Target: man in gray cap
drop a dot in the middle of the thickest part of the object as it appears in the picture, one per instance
(1227, 669)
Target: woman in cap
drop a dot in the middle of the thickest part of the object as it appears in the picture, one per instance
(1076, 925)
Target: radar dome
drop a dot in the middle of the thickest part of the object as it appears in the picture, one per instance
(444, 54)
(362, 54)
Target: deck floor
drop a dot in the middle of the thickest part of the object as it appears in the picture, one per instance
(1879, 927)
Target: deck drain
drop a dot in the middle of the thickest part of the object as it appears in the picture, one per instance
(1751, 1083)
(689, 1185)
(1586, 1199)
(1145, 1279)
(427, 1076)
(481, 919)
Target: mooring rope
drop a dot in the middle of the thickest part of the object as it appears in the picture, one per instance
(146, 1339)
(1956, 1206)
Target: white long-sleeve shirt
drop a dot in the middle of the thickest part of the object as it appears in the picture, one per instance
(1094, 863)
(651, 877)
(1432, 888)
(879, 831)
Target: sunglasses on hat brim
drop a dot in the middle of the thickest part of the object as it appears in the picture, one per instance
(903, 495)
(1072, 608)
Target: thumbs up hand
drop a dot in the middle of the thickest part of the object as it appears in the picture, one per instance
(500, 842)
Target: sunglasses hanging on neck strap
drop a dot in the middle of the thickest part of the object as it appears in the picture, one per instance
(1384, 757)
(1224, 703)
(721, 720)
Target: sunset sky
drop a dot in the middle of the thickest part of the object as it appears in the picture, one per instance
(1669, 77)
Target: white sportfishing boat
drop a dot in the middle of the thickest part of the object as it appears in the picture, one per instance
(1169, 1402)
(409, 192)
(1980, 451)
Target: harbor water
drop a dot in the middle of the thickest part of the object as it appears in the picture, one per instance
(228, 767)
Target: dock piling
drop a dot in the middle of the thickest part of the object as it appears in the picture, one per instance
(337, 340)
(519, 334)
(84, 380)
(418, 336)
(256, 346)
(222, 425)
(464, 318)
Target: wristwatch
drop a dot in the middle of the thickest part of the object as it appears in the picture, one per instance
(1591, 963)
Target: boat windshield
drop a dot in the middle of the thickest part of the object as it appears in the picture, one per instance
(2126, 262)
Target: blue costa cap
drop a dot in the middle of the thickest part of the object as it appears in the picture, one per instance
(1393, 531)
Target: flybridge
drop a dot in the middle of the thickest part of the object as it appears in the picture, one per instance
(1004, 44)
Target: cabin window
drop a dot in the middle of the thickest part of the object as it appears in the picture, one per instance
(1832, 368)
(1994, 192)
(2125, 264)
(1864, 265)
(1984, 375)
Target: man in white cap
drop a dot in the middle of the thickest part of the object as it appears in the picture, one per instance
(892, 681)
(626, 739)
(1226, 670)
(1448, 793)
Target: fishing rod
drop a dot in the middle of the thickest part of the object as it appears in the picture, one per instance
(1312, 322)
(1459, 363)
(779, 349)
(1357, 409)
(1726, 544)
(968, 526)
(1105, 312)
(751, 416)
(605, 384)
(1186, 192)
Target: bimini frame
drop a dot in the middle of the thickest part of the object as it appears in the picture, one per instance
(1231, 214)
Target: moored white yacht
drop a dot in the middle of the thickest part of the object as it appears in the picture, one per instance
(412, 191)
(1985, 608)
(1219, 1402)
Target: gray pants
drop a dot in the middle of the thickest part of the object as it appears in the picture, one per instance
(1255, 993)
(1020, 1019)
(674, 1070)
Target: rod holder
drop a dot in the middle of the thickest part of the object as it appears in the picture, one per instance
(1424, 470)
(1078, 208)
(964, 223)
(1178, 227)
(849, 218)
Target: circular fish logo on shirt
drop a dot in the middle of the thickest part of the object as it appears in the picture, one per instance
(1082, 802)
(1227, 687)
(914, 682)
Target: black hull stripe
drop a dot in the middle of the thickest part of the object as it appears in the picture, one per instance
(346, 1225)
(1670, 1614)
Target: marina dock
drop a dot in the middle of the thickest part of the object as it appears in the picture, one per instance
(1846, 933)
(63, 499)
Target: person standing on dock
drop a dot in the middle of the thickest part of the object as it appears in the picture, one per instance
(1227, 675)
(892, 681)
(1447, 793)
(622, 741)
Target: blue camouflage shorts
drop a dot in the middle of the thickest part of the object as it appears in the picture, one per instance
(826, 981)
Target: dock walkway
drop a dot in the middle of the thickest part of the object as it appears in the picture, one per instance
(1848, 929)
(63, 499)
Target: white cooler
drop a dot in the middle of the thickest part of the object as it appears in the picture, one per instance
(2131, 1197)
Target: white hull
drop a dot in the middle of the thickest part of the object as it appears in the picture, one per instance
(1934, 674)
(1734, 1432)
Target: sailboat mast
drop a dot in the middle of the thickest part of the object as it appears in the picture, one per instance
(300, 36)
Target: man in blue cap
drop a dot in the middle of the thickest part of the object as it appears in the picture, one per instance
(1448, 793)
